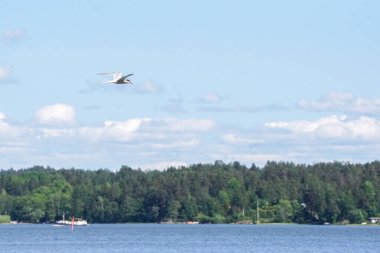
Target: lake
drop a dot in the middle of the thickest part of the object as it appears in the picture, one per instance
(146, 238)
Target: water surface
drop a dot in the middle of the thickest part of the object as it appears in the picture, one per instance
(146, 238)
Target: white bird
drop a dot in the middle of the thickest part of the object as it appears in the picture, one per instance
(118, 78)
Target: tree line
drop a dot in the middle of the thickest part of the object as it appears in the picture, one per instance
(335, 192)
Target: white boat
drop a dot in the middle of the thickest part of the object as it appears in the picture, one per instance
(74, 221)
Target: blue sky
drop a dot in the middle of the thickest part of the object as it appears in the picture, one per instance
(246, 81)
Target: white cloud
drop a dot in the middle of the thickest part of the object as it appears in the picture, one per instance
(189, 125)
(239, 139)
(56, 114)
(336, 127)
(10, 132)
(177, 145)
(5, 72)
(58, 133)
(4, 150)
(174, 125)
(121, 131)
(2, 116)
(342, 101)
(6, 75)
(118, 131)
(4, 126)
(160, 133)
(13, 34)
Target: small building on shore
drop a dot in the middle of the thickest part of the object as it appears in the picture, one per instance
(374, 220)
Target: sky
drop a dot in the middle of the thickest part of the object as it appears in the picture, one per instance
(247, 81)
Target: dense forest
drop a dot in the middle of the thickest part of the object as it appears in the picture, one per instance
(217, 193)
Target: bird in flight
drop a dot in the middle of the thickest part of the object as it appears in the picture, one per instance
(118, 78)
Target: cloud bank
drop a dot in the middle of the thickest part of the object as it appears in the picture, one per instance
(335, 127)
(153, 143)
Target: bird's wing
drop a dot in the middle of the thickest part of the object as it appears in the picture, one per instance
(122, 79)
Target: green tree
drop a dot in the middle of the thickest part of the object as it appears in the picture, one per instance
(370, 196)
(283, 211)
(356, 216)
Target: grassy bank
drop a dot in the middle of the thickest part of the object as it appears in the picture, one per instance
(5, 219)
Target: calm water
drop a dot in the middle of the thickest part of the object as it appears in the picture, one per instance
(144, 238)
